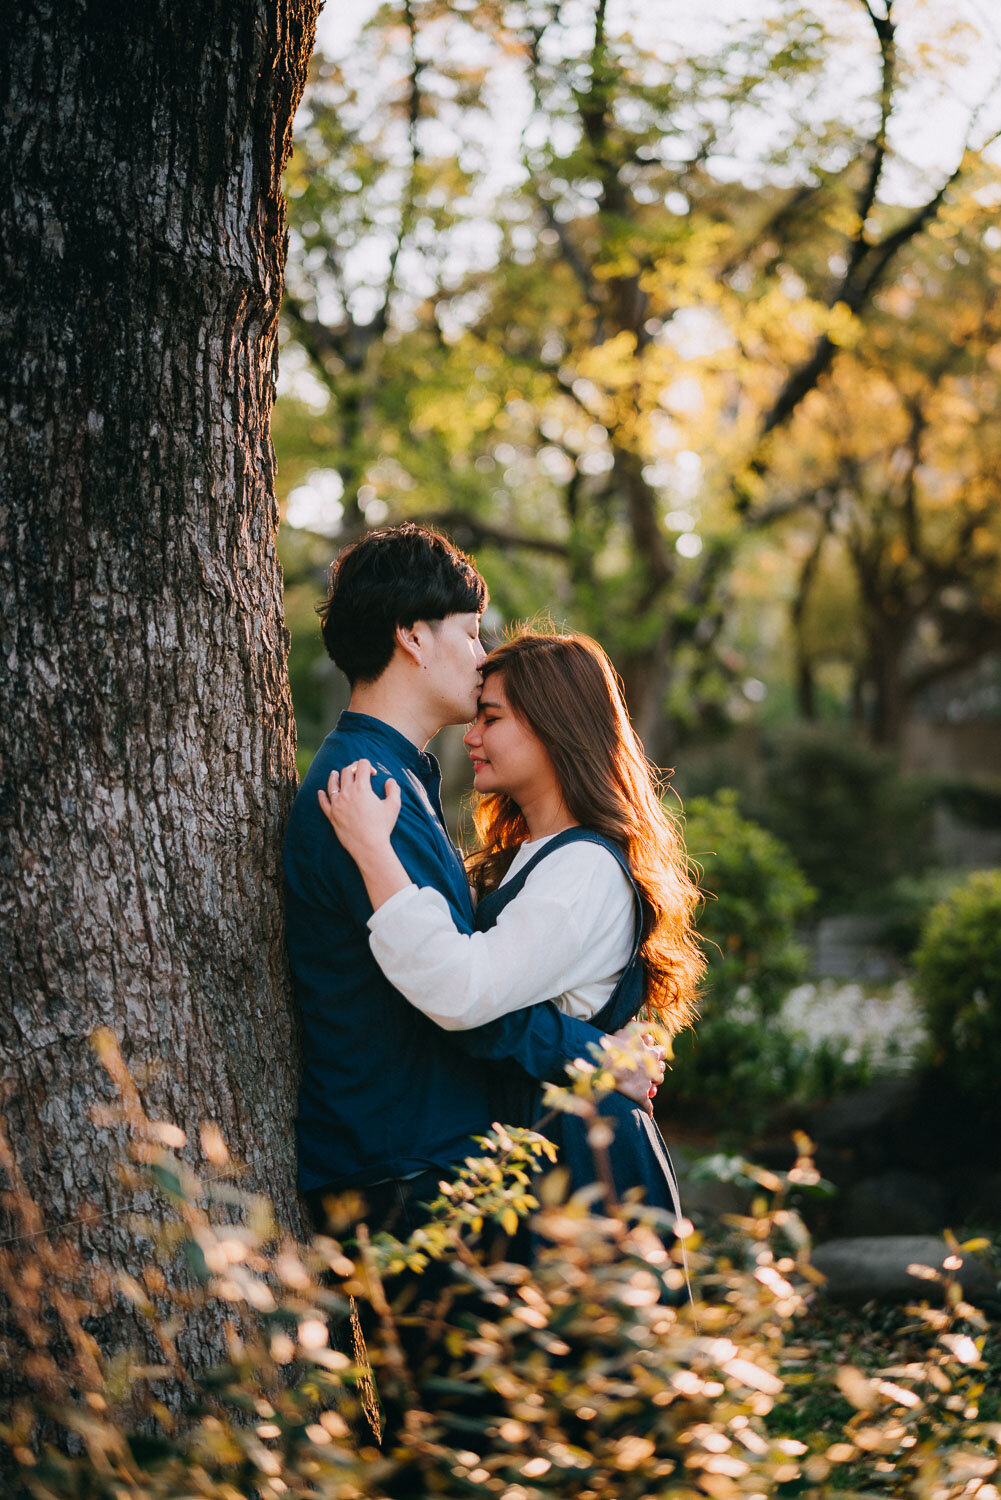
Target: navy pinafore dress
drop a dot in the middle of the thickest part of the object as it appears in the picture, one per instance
(638, 1155)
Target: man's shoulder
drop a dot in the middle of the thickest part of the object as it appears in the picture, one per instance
(342, 746)
(308, 833)
(338, 750)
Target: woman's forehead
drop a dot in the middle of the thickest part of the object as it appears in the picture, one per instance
(492, 693)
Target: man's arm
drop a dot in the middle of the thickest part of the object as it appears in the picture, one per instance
(544, 1040)
(540, 1037)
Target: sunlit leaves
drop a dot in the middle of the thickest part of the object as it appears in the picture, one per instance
(663, 246)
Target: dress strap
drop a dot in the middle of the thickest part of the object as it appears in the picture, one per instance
(508, 889)
(627, 997)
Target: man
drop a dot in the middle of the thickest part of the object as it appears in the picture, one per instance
(388, 1102)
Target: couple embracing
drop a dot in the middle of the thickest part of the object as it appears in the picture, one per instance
(437, 996)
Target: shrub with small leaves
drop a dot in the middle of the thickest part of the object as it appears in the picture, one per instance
(852, 820)
(756, 895)
(958, 977)
(738, 1062)
(586, 1376)
(904, 907)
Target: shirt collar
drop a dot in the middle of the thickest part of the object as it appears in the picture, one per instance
(405, 750)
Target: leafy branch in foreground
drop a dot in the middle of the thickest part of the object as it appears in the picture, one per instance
(583, 1376)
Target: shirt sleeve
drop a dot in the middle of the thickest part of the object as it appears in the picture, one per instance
(572, 924)
(423, 857)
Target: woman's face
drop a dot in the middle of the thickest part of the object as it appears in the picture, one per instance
(507, 757)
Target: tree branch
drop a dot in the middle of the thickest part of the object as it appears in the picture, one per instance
(458, 521)
(380, 322)
(318, 339)
(574, 260)
(572, 256)
(877, 146)
(950, 666)
(802, 380)
(771, 226)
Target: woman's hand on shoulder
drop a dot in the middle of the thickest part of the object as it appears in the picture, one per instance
(362, 820)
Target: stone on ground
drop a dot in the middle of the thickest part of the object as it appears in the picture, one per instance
(877, 1266)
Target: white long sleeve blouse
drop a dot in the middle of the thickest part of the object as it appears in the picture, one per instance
(566, 936)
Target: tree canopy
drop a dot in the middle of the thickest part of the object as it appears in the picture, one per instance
(702, 320)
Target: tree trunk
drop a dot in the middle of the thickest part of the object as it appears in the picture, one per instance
(806, 687)
(886, 648)
(147, 741)
(806, 691)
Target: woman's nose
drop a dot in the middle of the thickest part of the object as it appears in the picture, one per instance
(471, 736)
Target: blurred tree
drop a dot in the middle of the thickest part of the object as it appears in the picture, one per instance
(592, 355)
(896, 465)
(147, 743)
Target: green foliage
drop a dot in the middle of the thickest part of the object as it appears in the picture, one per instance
(585, 1375)
(905, 906)
(958, 976)
(756, 896)
(734, 1070)
(594, 360)
(740, 1063)
(852, 822)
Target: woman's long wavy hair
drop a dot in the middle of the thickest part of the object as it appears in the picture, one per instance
(567, 692)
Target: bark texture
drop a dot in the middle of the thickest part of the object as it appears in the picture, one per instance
(147, 740)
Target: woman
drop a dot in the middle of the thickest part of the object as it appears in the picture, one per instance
(581, 878)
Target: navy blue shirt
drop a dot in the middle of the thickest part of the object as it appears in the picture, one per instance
(386, 1093)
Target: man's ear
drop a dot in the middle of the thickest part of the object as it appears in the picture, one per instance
(412, 641)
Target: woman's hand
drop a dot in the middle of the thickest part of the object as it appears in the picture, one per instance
(639, 1064)
(362, 820)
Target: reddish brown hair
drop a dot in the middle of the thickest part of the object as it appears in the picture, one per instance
(566, 690)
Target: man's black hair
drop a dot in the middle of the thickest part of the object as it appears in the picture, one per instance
(390, 578)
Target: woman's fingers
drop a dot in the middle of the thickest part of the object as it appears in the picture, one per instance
(325, 798)
(358, 773)
(343, 785)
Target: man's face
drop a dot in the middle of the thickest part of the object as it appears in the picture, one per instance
(453, 664)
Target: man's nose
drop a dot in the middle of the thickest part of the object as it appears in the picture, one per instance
(479, 654)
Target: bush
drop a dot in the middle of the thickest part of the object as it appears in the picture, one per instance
(737, 1062)
(977, 803)
(733, 1071)
(585, 1373)
(756, 896)
(958, 966)
(906, 905)
(852, 822)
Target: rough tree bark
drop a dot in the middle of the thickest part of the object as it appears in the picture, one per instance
(146, 748)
